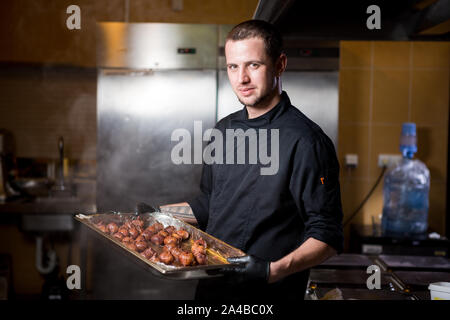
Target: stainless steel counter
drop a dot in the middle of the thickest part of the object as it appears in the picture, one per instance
(45, 214)
(49, 206)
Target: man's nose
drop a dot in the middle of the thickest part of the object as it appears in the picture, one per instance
(243, 76)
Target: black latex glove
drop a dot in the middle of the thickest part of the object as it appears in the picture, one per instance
(251, 269)
(143, 207)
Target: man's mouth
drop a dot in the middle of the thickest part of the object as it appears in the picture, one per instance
(246, 91)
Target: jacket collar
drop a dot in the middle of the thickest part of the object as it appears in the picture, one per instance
(267, 117)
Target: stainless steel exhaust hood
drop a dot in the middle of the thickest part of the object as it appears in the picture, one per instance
(346, 20)
(312, 30)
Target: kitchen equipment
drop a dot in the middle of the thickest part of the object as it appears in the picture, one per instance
(400, 262)
(363, 240)
(61, 188)
(46, 223)
(347, 260)
(348, 273)
(33, 187)
(422, 278)
(217, 250)
(348, 278)
(418, 281)
(440, 290)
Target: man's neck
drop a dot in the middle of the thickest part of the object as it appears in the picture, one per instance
(269, 104)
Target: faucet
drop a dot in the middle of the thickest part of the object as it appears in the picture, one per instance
(61, 164)
(60, 189)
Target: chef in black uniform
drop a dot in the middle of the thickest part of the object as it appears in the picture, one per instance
(287, 218)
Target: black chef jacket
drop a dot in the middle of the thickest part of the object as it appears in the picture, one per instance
(269, 216)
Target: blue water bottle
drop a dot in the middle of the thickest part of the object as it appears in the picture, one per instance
(405, 192)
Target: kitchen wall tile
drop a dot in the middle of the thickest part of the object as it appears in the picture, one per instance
(391, 54)
(353, 192)
(430, 97)
(432, 150)
(390, 96)
(355, 54)
(354, 95)
(385, 139)
(353, 139)
(373, 208)
(38, 105)
(431, 54)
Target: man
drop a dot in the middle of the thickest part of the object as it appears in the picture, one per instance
(286, 222)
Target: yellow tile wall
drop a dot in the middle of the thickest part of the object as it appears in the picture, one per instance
(38, 104)
(383, 84)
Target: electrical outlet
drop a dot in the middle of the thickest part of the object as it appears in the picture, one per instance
(388, 160)
(351, 160)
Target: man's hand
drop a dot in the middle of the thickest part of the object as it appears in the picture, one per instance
(252, 269)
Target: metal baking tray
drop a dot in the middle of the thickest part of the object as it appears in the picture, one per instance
(217, 251)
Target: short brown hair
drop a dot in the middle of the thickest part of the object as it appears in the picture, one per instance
(273, 41)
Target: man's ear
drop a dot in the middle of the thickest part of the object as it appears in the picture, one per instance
(281, 64)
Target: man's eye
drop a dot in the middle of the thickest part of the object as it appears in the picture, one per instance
(231, 67)
(254, 65)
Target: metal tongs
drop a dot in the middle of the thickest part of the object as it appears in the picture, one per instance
(143, 207)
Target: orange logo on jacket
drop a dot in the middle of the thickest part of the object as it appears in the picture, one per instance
(322, 179)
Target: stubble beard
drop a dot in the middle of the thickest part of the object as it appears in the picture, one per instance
(259, 100)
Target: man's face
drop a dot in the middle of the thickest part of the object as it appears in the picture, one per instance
(251, 71)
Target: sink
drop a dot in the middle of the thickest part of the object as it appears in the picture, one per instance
(34, 187)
